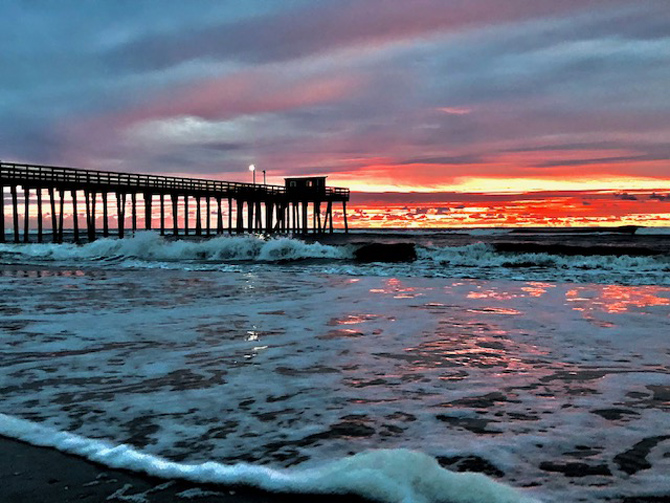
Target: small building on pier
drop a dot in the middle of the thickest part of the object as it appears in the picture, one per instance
(310, 186)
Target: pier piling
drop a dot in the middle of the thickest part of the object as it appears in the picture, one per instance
(75, 217)
(15, 207)
(2, 215)
(26, 215)
(40, 224)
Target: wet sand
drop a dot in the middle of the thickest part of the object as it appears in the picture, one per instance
(30, 474)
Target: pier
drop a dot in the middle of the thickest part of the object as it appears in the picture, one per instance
(249, 207)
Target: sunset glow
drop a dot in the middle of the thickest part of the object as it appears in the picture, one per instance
(473, 98)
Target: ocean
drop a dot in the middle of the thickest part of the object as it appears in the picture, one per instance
(502, 365)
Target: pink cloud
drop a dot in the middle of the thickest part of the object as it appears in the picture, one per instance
(455, 110)
(249, 92)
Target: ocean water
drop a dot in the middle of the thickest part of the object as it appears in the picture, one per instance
(500, 366)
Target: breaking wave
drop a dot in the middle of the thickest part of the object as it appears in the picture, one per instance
(393, 476)
(150, 246)
(487, 255)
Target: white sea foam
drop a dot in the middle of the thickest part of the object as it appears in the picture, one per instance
(393, 476)
(151, 246)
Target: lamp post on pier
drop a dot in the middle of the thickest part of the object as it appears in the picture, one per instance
(252, 168)
(264, 178)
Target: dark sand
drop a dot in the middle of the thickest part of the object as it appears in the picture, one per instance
(30, 474)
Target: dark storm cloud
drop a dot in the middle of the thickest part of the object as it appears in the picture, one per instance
(328, 25)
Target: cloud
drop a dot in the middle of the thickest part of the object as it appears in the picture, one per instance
(603, 160)
(455, 110)
(455, 160)
(325, 26)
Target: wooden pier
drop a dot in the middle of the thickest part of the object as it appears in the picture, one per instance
(253, 208)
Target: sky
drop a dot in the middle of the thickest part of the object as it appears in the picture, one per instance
(475, 96)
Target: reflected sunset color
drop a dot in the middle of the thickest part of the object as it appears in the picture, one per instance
(617, 298)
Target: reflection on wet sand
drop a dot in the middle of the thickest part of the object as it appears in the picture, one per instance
(397, 289)
(617, 298)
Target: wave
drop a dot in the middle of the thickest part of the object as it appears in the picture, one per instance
(152, 247)
(489, 255)
(653, 231)
(621, 229)
(392, 475)
(578, 250)
(611, 263)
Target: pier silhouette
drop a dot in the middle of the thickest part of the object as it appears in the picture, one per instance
(253, 208)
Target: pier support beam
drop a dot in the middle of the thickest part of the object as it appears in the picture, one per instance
(174, 198)
(2, 214)
(133, 209)
(284, 217)
(105, 216)
(219, 217)
(121, 213)
(162, 214)
(54, 218)
(61, 215)
(344, 213)
(208, 220)
(314, 220)
(148, 199)
(259, 218)
(15, 215)
(75, 216)
(329, 217)
(269, 207)
(240, 217)
(185, 215)
(90, 214)
(39, 216)
(26, 215)
(250, 216)
(230, 215)
(198, 217)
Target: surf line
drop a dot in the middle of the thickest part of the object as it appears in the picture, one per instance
(389, 476)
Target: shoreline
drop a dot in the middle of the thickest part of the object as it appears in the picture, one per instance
(31, 474)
